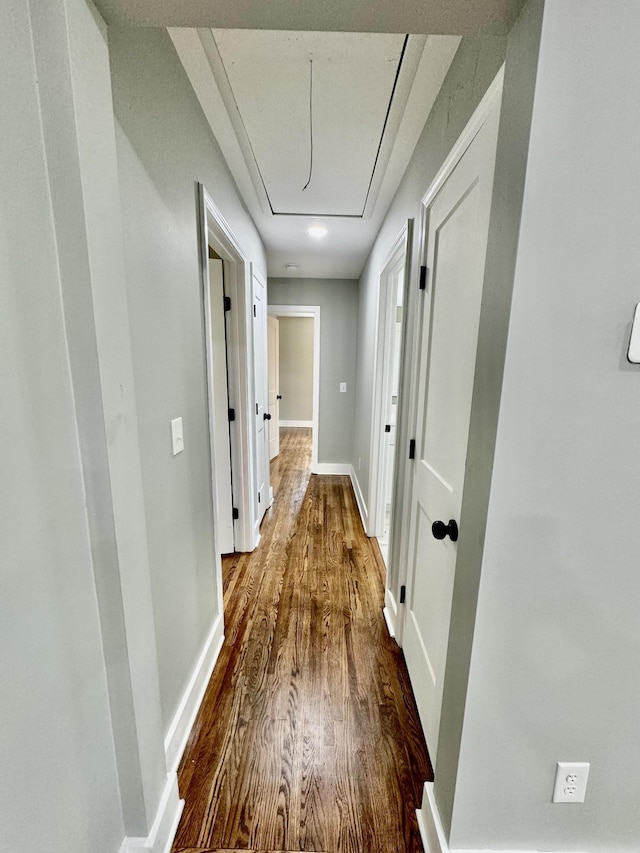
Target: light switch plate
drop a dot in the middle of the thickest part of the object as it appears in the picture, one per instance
(177, 438)
(343, 387)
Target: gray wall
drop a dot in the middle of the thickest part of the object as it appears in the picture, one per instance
(556, 648)
(296, 368)
(474, 67)
(509, 181)
(164, 147)
(338, 301)
(59, 783)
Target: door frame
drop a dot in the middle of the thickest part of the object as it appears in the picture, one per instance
(400, 251)
(258, 391)
(215, 232)
(215, 322)
(307, 311)
(274, 424)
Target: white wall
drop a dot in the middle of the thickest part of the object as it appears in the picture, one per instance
(556, 646)
(338, 301)
(296, 368)
(164, 147)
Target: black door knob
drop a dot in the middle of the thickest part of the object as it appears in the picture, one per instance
(278, 396)
(440, 530)
(267, 416)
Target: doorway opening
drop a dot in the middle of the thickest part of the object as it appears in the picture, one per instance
(217, 342)
(294, 372)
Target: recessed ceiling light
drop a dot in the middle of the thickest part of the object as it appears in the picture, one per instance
(317, 232)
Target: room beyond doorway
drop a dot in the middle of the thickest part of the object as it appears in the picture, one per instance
(294, 366)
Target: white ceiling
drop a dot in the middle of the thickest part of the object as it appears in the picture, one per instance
(349, 78)
(370, 97)
(237, 115)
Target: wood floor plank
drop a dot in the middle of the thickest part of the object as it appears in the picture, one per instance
(308, 738)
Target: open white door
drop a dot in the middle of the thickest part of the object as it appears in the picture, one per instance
(222, 450)
(273, 335)
(261, 385)
(456, 230)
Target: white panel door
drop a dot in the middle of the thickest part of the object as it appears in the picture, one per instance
(220, 401)
(457, 224)
(261, 395)
(273, 335)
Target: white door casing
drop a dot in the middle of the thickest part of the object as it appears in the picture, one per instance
(215, 232)
(273, 339)
(383, 443)
(222, 449)
(261, 396)
(456, 224)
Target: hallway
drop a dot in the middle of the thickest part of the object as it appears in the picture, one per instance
(308, 738)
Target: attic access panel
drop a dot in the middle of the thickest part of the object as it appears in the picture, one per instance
(353, 82)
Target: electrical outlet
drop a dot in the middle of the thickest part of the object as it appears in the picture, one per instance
(571, 781)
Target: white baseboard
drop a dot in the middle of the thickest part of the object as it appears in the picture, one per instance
(432, 832)
(295, 423)
(164, 826)
(331, 468)
(388, 619)
(362, 506)
(390, 613)
(184, 718)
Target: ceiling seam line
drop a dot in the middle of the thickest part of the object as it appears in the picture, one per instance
(386, 119)
(244, 128)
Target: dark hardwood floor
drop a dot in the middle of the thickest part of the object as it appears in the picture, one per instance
(308, 737)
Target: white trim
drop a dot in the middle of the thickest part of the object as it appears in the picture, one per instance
(296, 423)
(389, 622)
(332, 468)
(165, 824)
(362, 506)
(390, 612)
(429, 823)
(471, 130)
(398, 255)
(184, 718)
(307, 311)
(259, 398)
(215, 232)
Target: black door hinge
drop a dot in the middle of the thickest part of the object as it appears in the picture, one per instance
(256, 408)
(403, 593)
(227, 303)
(412, 449)
(235, 513)
(254, 311)
(258, 497)
(232, 415)
(387, 427)
(423, 278)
